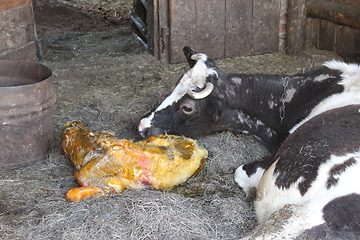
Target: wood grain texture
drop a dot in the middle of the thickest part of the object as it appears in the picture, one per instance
(336, 12)
(17, 41)
(227, 28)
(266, 19)
(238, 28)
(210, 27)
(182, 28)
(11, 4)
(296, 26)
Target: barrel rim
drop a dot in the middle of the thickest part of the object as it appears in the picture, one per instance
(8, 69)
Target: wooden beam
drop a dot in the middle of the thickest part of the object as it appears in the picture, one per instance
(338, 13)
(11, 4)
(296, 26)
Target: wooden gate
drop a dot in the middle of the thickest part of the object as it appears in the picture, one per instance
(220, 28)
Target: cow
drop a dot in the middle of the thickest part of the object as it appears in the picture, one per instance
(266, 106)
(309, 122)
(316, 171)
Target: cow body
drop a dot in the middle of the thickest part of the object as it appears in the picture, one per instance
(317, 168)
(309, 121)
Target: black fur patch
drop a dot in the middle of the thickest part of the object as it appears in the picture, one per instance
(337, 170)
(342, 221)
(333, 132)
(343, 213)
(250, 168)
(324, 232)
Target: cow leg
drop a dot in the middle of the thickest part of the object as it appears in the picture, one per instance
(248, 176)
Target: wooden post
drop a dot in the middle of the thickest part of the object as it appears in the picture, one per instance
(338, 13)
(18, 34)
(152, 21)
(296, 32)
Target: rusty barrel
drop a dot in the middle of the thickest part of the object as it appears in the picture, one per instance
(26, 110)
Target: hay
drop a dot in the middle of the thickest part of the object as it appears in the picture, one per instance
(112, 88)
(209, 206)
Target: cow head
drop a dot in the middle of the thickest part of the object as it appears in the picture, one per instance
(190, 109)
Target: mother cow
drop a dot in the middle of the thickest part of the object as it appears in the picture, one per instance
(316, 167)
(266, 106)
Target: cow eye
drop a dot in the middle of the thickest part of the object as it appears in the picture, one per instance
(186, 109)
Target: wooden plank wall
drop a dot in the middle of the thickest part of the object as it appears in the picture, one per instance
(265, 26)
(239, 26)
(18, 37)
(220, 28)
(329, 36)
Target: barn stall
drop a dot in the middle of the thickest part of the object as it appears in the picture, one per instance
(104, 76)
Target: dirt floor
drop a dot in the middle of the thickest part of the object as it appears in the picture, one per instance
(105, 78)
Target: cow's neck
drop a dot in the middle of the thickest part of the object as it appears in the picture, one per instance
(253, 101)
(250, 125)
(257, 112)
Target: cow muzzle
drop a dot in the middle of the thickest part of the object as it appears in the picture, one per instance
(142, 129)
(148, 132)
(145, 130)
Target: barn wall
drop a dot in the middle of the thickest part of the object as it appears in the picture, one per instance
(226, 28)
(18, 37)
(231, 28)
(337, 38)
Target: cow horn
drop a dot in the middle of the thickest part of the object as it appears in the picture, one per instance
(202, 94)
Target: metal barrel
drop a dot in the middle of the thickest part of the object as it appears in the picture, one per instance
(26, 113)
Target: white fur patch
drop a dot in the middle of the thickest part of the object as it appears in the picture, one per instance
(237, 80)
(335, 101)
(271, 104)
(192, 79)
(322, 77)
(291, 226)
(145, 122)
(309, 214)
(350, 74)
(289, 94)
(246, 182)
(350, 95)
(270, 198)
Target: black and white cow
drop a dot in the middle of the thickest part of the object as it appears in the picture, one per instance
(310, 122)
(266, 106)
(317, 167)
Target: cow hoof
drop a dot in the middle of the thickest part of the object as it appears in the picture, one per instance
(249, 180)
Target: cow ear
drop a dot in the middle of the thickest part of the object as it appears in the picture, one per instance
(188, 52)
(216, 107)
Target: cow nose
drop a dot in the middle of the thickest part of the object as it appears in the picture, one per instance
(142, 134)
(146, 132)
(142, 130)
